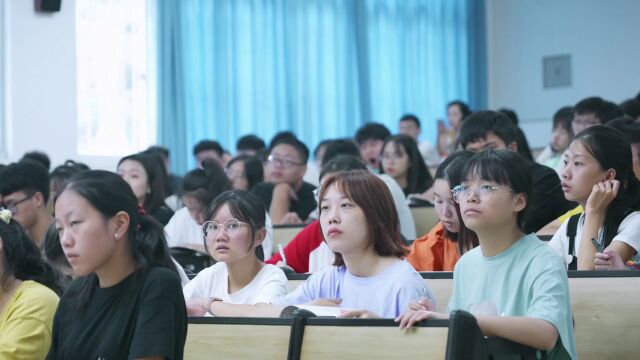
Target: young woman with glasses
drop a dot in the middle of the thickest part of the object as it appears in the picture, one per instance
(513, 283)
(232, 234)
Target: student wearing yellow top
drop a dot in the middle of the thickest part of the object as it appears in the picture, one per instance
(28, 298)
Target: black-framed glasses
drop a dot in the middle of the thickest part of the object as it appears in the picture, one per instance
(483, 192)
(13, 207)
(229, 226)
(282, 161)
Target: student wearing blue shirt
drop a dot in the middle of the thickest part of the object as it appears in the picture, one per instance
(513, 283)
(369, 277)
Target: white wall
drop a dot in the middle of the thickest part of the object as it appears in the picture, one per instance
(602, 37)
(40, 83)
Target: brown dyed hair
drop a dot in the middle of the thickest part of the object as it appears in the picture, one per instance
(374, 198)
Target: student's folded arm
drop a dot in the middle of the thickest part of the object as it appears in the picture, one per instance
(537, 333)
(219, 308)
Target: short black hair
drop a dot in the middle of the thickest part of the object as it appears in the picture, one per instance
(319, 146)
(631, 108)
(602, 109)
(375, 131)
(204, 145)
(342, 163)
(479, 124)
(563, 118)
(511, 114)
(38, 156)
(282, 135)
(250, 142)
(628, 126)
(411, 117)
(301, 148)
(26, 175)
(340, 147)
(160, 150)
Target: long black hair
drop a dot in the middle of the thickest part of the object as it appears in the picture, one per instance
(418, 177)
(22, 259)
(156, 180)
(451, 171)
(611, 149)
(206, 183)
(109, 194)
(244, 206)
(253, 169)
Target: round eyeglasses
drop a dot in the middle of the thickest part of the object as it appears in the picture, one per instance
(229, 226)
(483, 192)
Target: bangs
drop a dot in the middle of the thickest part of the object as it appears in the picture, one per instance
(488, 167)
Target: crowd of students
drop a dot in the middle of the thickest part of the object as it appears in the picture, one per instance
(86, 269)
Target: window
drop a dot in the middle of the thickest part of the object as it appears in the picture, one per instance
(116, 96)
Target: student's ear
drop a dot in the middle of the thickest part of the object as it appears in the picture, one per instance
(520, 202)
(260, 236)
(121, 224)
(513, 146)
(39, 199)
(610, 175)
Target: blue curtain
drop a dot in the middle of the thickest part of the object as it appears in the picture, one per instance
(319, 68)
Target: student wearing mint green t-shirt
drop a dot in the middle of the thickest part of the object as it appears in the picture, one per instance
(513, 283)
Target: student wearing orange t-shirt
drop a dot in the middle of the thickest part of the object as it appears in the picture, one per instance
(440, 249)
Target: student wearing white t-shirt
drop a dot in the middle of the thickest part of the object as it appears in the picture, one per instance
(198, 189)
(598, 174)
(233, 233)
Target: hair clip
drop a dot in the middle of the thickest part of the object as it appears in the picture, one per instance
(5, 215)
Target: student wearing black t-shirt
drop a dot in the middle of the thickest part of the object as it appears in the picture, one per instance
(127, 302)
(288, 198)
(493, 130)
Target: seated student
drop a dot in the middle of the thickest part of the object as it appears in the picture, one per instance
(402, 161)
(448, 142)
(145, 178)
(60, 175)
(208, 149)
(288, 198)
(370, 139)
(410, 125)
(490, 129)
(39, 157)
(369, 276)
(24, 187)
(561, 136)
(307, 251)
(28, 299)
(521, 138)
(440, 249)
(314, 167)
(348, 147)
(249, 145)
(631, 108)
(199, 188)
(233, 233)
(127, 302)
(598, 175)
(593, 111)
(513, 283)
(631, 130)
(172, 179)
(244, 172)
